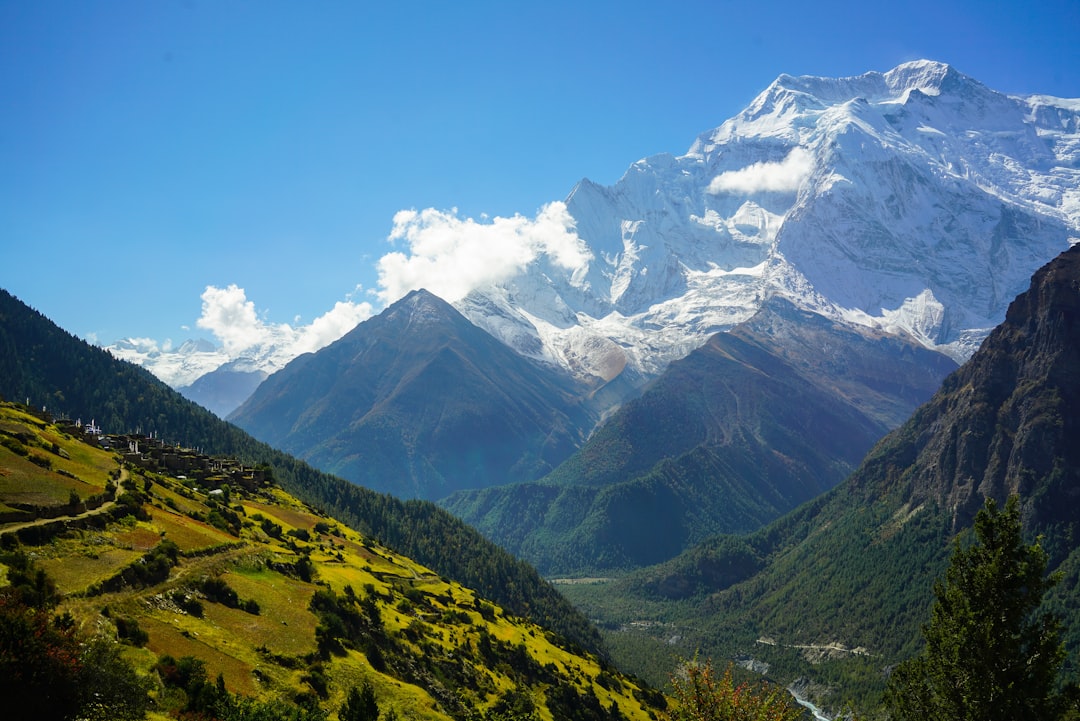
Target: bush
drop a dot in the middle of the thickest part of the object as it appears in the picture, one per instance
(41, 461)
(703, 697)
(128, 631)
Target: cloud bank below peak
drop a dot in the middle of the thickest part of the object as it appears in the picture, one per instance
(451, 256)
(232, 318)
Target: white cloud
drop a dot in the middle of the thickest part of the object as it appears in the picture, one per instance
(784, 176)
(231, 317)
(331, 325)
(451, 256)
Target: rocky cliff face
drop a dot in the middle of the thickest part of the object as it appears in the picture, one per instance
(1007, 421)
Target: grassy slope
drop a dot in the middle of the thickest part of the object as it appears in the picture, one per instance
(436, 625)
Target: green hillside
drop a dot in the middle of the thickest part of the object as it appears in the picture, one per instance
(50, 368)
(289, 606)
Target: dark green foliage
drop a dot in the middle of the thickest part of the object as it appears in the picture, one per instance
(48, 672)
(990, 654)
(13, 445)
(568, 704)
(42, 461)
(345, 621)
(128, 631)
(702, 696)
(301, 534)
(360, 705)
(152, 568)
(132, 503)
(270, 528)
(217, 590)
(304, 569)
(37, 359)
(110, 688)
(39, 661)
(28, 585)
(188, 603)
(203, 699)
(226, 519)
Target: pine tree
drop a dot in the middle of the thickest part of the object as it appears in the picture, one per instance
(990, 654)
(360, 705)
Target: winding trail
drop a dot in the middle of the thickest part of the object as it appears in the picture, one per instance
(106, 506)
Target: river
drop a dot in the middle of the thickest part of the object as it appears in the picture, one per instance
(818, 715)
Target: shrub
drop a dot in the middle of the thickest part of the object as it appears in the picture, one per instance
(703, 697)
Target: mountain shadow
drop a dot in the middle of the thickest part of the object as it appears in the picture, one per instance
(744, 429)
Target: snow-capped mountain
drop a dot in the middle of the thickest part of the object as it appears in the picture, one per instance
(916, 201)
(207, 373)
(180, 366)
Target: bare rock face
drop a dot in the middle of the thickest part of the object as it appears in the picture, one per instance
(1007, 421)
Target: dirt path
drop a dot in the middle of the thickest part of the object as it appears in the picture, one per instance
(106, 506)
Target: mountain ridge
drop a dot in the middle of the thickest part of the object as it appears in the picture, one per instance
(420, 402)
(758, 420)
(853, 568)
(772, 200)
(916, 200)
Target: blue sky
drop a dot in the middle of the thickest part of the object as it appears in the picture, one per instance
(152, 150)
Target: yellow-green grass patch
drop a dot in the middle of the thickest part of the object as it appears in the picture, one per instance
(140, 538)
(76, 573)
(187, 533)
(22, 481)
(409, 701)
(284, 624)
(167, 637)
(287, 518)
(180, 503)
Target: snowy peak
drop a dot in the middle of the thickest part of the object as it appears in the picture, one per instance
(926, 76)
(916, 201)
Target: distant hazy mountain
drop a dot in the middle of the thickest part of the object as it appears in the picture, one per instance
(179, 367)
(419, 402)
(223, 389)
(754, 423)
(916, 200)
(838, 588)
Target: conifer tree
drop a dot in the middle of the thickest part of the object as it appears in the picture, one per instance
(990, 654)
(360, 705)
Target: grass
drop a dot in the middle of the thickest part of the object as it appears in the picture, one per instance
(90, 568)
(187, 533)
